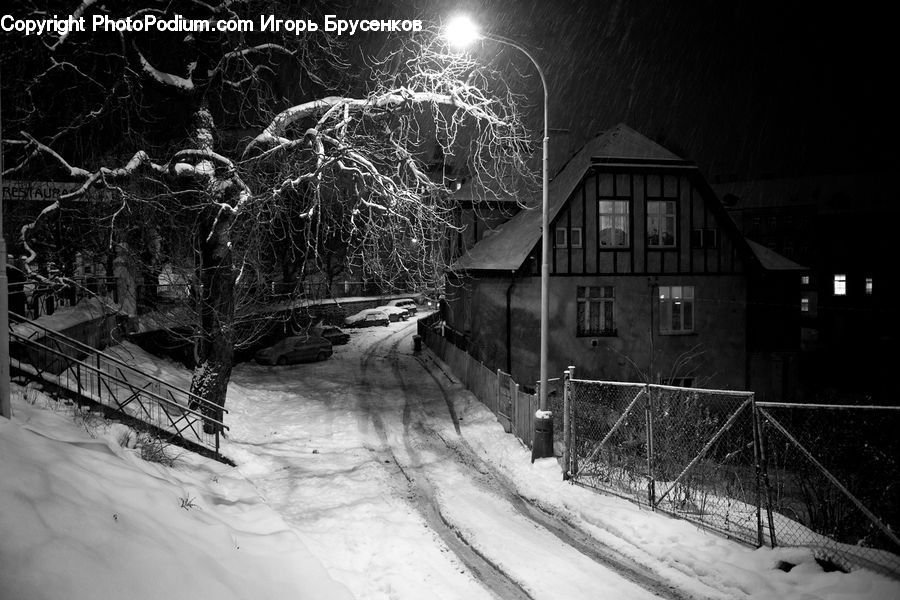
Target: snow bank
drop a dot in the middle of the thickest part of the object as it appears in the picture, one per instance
(83, 517)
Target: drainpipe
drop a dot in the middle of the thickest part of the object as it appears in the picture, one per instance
(509, 291)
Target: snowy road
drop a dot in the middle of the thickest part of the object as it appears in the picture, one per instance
(363, 454)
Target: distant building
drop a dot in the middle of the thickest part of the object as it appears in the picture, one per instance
(842, 227)
(650, 279)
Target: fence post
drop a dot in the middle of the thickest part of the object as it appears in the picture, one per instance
(514, 398)
(756, 451)
(566, 423)
(497, 398)
(648, 416)
(765, 474)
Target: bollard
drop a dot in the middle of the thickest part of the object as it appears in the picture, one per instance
(542, 446)
(417, 343)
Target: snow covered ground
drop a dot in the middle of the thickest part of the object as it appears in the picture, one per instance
(372, 475)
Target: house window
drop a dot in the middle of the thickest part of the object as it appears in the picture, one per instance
(614, 223)
(676, 309)
(840, 285)
(566, 236)
(596, 310)
(661, 223)
(704, 238)
(868, 286)
(804, 280)
(561, 237)
(804, 304)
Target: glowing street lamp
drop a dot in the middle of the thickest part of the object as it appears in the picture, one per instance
(461, 32)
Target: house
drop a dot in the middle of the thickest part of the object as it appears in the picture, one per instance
(649, 279)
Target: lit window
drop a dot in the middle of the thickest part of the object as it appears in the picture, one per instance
(804, 305)
(676, 309)
(661, 223)
(840, 285)
(614, 223)
(868, 286)
(596, 310)
(804, 280)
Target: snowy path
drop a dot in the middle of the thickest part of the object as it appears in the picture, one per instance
(373, 428)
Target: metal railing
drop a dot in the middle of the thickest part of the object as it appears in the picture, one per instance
(86, 374)
(34, 299)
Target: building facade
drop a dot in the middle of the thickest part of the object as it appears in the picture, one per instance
(650, 280)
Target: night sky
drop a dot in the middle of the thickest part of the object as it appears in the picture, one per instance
(744, 89)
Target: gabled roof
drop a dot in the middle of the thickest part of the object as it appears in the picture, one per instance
(508, 247)
(771, 260)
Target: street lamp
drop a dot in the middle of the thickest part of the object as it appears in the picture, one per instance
(461, 32)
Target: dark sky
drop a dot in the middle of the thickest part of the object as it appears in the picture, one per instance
(745, 89)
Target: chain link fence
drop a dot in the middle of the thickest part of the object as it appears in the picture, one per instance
(686, 451)
(833, 482)
(819, 476)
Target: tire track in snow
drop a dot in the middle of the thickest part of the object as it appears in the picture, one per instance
(422, 493)
(497, 483)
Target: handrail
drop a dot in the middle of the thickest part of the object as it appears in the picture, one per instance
(124, 382)
(86, 348)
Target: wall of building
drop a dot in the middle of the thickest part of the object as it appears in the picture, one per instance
(717, 344)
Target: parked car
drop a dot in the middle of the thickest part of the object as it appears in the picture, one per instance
(334, 335)
(394, 313)
(295, 349)
(367, 318)
(408, 303)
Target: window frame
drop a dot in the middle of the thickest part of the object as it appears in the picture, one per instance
(662, 216)
(584, 297)
(668, 300)
(614, 215)
(568, 237)
(565, 238)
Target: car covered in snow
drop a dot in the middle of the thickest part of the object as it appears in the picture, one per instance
(334, 335)
(295, 349)
(368, 317)
(408, 303)
(394, 313)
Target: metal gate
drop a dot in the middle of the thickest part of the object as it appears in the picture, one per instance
(686, 451)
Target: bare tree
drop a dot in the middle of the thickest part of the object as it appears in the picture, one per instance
(222, 165)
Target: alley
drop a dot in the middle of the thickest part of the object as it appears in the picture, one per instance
(363, 454)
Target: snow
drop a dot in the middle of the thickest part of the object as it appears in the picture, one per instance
(347, 470)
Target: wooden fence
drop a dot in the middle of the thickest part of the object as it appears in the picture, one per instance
(504, 397)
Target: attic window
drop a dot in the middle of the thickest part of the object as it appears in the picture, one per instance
(564, 237)
(661, 224)
(614, 223)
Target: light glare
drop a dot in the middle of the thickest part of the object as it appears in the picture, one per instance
(461, 32)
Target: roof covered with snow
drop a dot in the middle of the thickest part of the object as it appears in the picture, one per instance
(507, 248)
(771, 260)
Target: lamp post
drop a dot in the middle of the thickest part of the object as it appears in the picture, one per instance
(460, 32)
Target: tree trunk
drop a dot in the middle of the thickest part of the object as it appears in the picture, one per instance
(215, 343)
(215, 346)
